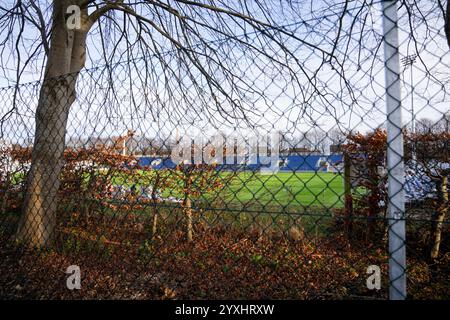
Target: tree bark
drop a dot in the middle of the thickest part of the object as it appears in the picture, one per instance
(155, 214)
(438, 224)
(188, 213)
(154, 197)
(154, 222)
(65, 60)
(348, 195)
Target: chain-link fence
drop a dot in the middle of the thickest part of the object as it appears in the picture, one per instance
(289, 175)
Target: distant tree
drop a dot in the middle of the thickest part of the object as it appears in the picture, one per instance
(424, 125)
(337, 136)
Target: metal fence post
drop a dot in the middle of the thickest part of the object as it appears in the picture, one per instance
(395, 166)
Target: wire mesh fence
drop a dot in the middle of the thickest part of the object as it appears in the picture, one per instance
(282, 173)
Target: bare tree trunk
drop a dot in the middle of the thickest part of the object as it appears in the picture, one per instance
(188, 213)
(7, 185)
(154, 204)
(65, 60)
(40, 203)
(442, 210)
(155, 215)
(348, 195)
(155, 222)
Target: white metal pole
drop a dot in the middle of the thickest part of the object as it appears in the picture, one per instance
(395, 166)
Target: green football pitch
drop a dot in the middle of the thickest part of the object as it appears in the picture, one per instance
(296, 190)
(291, 189)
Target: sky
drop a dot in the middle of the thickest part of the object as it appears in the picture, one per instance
(277, 98)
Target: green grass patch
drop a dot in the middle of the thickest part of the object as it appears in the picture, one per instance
(287, 190)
